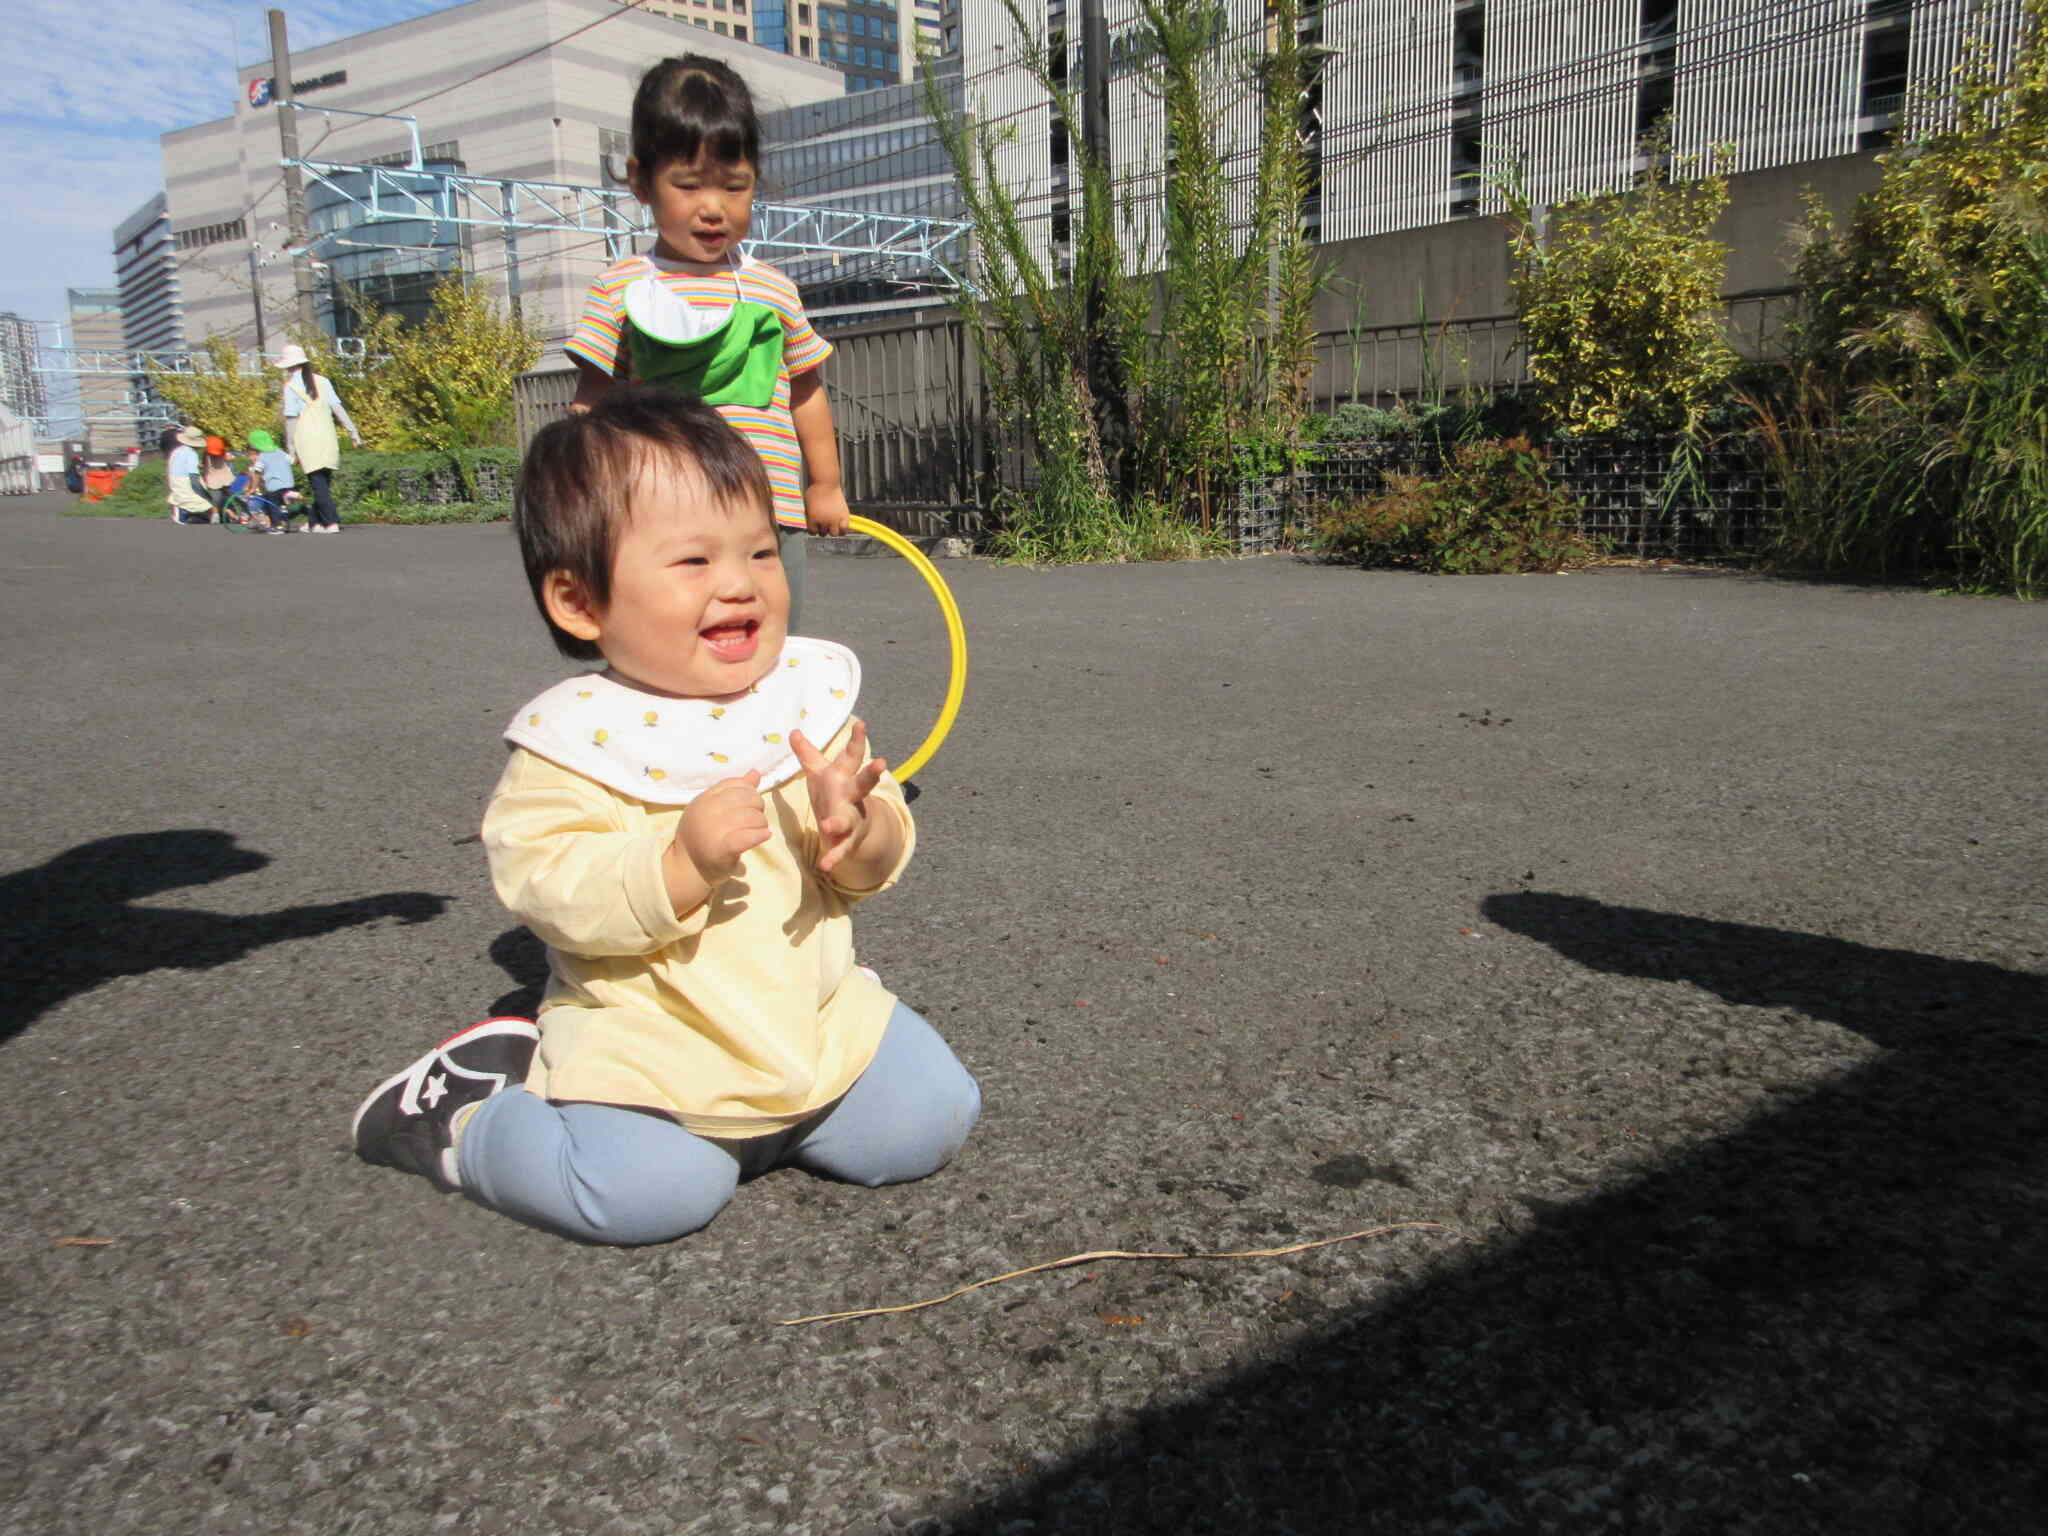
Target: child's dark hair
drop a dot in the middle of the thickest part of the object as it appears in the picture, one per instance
(689, 106)
(576, 485)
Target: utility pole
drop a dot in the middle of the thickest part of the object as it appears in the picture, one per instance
(294, 184)
(511, 232)
(256, 294)
(1095, 82)
(1105, 368)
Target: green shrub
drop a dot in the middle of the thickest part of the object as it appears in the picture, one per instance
(140, 494)
(368, 488)
(427, 477)
(1353, 422)
(1492, 509)
(1504, 413)
(1910, 433)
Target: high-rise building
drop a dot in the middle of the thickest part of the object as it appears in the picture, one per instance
(104, 401)
(146, 270)
(152, 309)
(22, 388)
(871, 43)
(740, 20)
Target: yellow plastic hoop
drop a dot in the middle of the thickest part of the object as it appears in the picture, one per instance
(956, 637)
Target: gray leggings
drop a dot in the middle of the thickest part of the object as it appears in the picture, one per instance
(795, 545)
(609, 1175)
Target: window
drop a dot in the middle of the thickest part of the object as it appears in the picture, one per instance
(803, 46)
(889, 30)
(740, 33)
(859, 26)
(860, 55)
(211, 234)
(719, 28)
(445, 149)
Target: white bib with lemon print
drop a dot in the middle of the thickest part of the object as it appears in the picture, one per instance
(669, 751)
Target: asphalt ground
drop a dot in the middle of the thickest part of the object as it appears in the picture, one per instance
(1675, 940)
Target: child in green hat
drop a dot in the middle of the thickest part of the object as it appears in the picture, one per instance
(277, 478)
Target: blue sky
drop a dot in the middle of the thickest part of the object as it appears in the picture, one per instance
(92, 85)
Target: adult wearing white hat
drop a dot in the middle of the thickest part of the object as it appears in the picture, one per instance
(311, 411)
(188, 498)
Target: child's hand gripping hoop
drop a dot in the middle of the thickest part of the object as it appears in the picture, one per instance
(956, 637)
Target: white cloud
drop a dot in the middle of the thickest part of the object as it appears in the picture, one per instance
(160, 64)
(69, 190)
(82, 111)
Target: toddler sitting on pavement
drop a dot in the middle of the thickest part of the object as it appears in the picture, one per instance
(670, 830)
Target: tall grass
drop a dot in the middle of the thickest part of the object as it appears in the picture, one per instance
(1991, 442)
(1857, 499)
(1936, 467)
(1036, 531)
(1137, 362)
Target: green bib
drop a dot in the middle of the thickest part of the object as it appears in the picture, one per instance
(737, 364)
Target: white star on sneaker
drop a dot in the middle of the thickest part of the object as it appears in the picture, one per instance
(436, 1089)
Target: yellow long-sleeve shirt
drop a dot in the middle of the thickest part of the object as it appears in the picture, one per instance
(739, 1018)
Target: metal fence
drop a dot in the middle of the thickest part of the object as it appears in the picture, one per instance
(19, 475)
(1628, 496)
(914, 440)
(1424, 359)
(919, 451)
(915, 444)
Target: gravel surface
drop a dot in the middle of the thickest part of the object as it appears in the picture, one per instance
(1676, 940)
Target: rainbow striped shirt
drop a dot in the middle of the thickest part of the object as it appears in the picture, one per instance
(771, 431)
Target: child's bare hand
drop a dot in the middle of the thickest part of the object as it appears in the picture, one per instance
(839, 791)
(825, 509)
(721, 824)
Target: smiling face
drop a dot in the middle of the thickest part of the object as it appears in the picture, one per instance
(699, 604)
(702, 207)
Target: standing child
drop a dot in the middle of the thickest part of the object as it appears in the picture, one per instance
(689, 857)
(698, 316)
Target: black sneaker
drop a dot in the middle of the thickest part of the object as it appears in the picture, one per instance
(404, 1123)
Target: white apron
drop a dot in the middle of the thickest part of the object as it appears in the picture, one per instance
(314, 444)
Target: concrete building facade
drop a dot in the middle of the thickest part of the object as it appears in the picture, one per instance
(146, 270)
(877, 152)
(105, 404)
(537, 90)
(1422, 105)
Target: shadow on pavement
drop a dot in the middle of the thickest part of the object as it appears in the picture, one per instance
(72, 924)
(1830, 1319)
(524, 958)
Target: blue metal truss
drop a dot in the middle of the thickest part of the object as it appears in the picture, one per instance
(383, 194)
